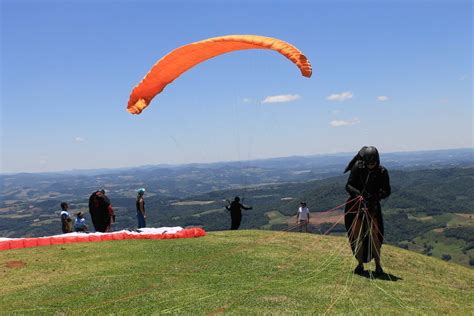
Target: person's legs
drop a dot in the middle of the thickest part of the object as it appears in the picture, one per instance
(376, 239)
(358, 240)
(63, 226)
(303, 226)
(357, 243)
(141, 220)
(235, 222)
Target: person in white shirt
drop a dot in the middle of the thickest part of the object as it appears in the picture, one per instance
(66, 221)
(80, 223)
(302, 217)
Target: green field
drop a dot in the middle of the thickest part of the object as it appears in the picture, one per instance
(275, 218)
(240, 272)
(435, 243)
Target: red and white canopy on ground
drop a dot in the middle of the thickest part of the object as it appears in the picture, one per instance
(143, 233)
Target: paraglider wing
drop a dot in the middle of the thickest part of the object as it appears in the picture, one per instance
(182, 59)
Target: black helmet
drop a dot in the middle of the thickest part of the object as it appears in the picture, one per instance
(237, 199)
(371, 155)
(359, 156)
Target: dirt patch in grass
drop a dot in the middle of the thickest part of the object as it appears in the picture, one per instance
(424, 218)
(219, 311)
(320, 218)
(326, 217)
(191, 203)
(15, 264)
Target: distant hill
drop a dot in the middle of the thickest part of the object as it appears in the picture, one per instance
(191, 179)
(430, 210)
(240, 272)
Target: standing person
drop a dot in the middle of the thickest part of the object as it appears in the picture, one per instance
(235, 209)
(140, 204)
(66, 221)
(363, 217)
(80, 223)
(302, 217)
(102, 213)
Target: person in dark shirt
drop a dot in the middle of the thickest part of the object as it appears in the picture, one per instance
(101, 211)
(363, 217)
(140, 205)
(235, 209)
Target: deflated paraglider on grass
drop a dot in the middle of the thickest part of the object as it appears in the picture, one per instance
(185, 57)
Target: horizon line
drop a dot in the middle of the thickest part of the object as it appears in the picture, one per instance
(170, 165)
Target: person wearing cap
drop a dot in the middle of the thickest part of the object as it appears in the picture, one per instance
(80, 223)
(369, 181)
(235, 209)
(140, 205)
(302, 217)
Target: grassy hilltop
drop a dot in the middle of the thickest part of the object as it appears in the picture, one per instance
(241, 272)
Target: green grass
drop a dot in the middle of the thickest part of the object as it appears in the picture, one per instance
(238, 272)
(458, 220)
(275, 218)
(441, 244)
(216, 210)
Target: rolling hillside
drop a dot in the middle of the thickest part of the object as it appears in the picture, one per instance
(241, 272)
(430, 210)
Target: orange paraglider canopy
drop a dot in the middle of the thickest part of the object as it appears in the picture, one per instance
(182, 59)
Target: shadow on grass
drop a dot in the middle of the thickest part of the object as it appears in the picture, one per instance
(382, 276)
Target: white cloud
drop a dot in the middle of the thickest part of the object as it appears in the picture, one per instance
(382, 98)
(281, 98)
(43, 160)
(339, 123)
(79, 139)
(247, 100)
(343, 96)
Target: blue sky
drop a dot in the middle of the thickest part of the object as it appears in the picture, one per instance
(397, 75)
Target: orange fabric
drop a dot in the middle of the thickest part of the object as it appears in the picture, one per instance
(46, 241)
(5, 245)
(57, 240)
(95, 238)
(70, 239)
(182, 59)
(106, 237)
(16, 244)
(30, 242)
(119, 236)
